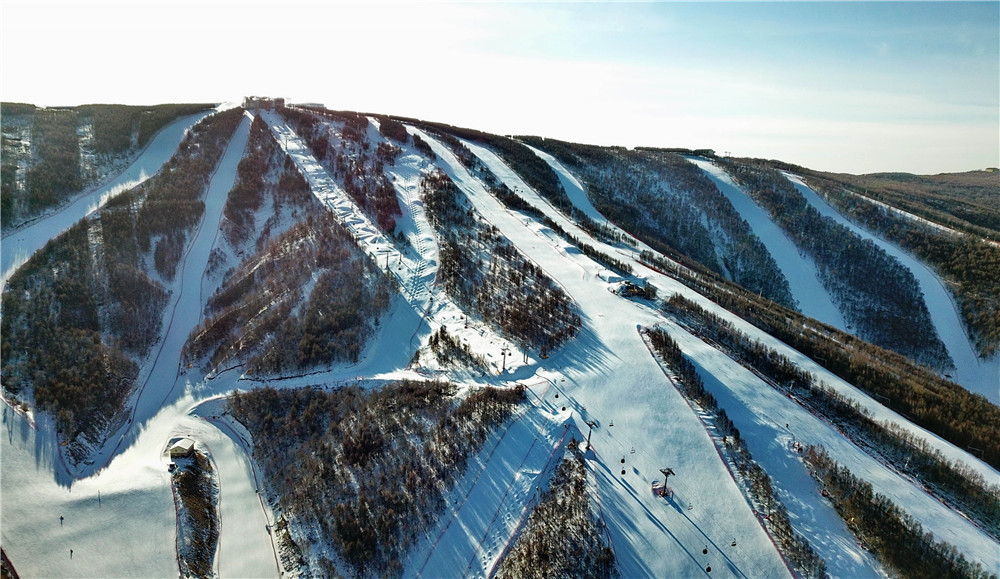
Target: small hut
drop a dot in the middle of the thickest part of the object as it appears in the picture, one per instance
(183, 448)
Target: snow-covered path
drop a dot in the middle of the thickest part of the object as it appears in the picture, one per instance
(22, 243)
(980, 376)
(800, 271)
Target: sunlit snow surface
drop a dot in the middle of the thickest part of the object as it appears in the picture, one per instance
(605, 375)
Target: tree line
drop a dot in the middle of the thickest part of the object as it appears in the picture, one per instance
(877, 295)
(484, 273)
(670, 204)
(897, 539)
(366, 470)
(515, 202)
(685, 376)
(954, 483)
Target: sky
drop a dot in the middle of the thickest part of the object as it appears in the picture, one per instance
(848, 87)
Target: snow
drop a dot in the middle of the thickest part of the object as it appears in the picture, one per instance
(800, 271)
(606, 375)
(610, 377)
(597, 309)
(131, 530)
(977, 375)
(21, 243)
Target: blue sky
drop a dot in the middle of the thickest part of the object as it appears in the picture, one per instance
(854, 87)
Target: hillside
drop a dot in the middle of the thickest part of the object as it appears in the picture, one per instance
(412, 349)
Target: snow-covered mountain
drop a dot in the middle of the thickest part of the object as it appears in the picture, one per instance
(410, 349)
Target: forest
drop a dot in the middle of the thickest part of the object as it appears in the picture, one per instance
(369, 469)
(962, 201)
(269, 317)
(901, 543)
(684, 376)
(954, 483)
(876, 294)
(83, 310)
(670, 204)
(563, 536)
(968, 262)
(43, 151)
(485, 273)
(921, 395)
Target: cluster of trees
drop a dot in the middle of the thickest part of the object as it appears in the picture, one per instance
(368, 470)
(56, 169)
(118, 128)
(56, 173)
(261, 316)
(197, 518)
(449, 349)
(893, 535)
(689, 384)
(392, 129)
(670, 204)
(83, 308)
(247, 194)
(562, 537)
(339, 141)
(485, 273)
(876, 294)
(953, 482)
(422, 146)
(963, 418)
(968, 262)
(515, 202)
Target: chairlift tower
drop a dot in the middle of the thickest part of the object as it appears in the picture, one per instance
(667, 472)
(592, 426)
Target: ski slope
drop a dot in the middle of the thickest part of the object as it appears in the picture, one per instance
(925, 508)
(610, 377)
(977, 375)
(605, 376)
(800, 271)
(130, 531)
(22, 243)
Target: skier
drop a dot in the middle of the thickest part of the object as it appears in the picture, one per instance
(60, 520)
(71, 553)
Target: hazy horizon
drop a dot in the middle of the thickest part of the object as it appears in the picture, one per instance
(846, 87)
